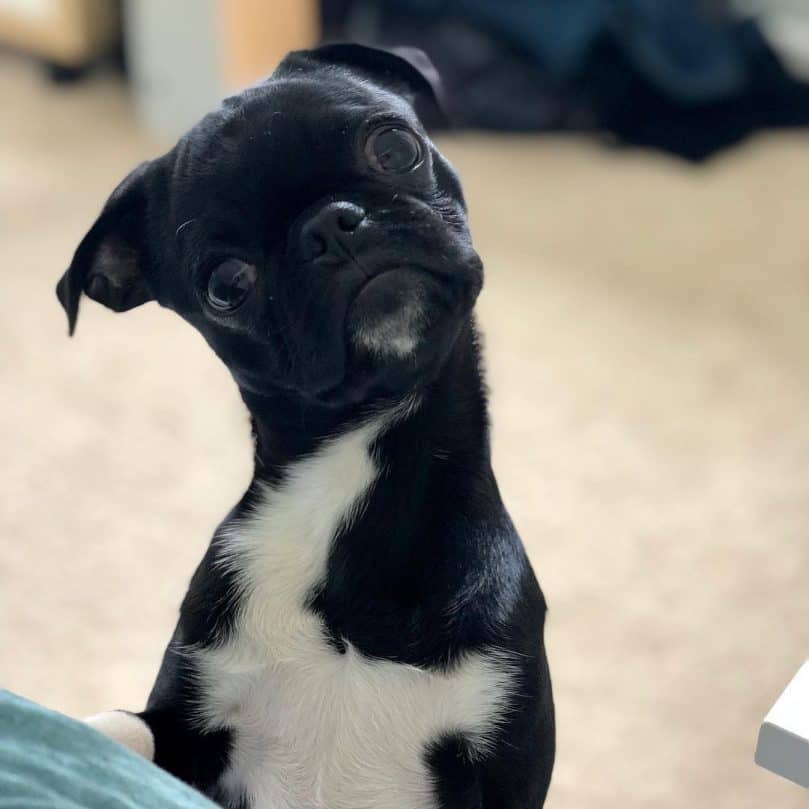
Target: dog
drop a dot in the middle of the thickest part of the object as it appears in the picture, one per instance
(365, 629)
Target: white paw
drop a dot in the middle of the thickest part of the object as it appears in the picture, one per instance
(126, 729)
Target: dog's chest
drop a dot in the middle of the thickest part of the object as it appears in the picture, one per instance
(318, 729)
(313, 727)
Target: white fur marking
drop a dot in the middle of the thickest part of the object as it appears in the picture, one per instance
(126, 729)
(394, 335)
(314, 728)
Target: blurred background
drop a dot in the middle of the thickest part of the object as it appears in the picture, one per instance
(638, 181)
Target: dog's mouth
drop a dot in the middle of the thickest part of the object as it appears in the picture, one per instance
(373, 325)
(390, 320)
(393, 311)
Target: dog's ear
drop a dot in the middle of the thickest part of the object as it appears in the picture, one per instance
(407, 71)
(108, 265)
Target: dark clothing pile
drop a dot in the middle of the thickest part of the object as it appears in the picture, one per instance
(685, 76)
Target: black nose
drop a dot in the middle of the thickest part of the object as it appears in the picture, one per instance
(329, 232)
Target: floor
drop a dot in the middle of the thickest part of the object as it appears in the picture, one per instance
(646, 329)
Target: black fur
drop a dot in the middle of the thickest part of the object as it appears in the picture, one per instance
(433, 567)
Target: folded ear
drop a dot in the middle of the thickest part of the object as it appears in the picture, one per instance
(407, 71)
(109, 262)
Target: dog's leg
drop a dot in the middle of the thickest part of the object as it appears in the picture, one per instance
(193, 755)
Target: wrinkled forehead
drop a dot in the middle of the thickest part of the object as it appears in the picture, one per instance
(291, 131)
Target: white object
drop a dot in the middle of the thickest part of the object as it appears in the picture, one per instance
(785, 23)
(174, 54)
(783, 741)
(28, 8)
(126, 729)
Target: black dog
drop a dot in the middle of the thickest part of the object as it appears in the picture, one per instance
(365, 629)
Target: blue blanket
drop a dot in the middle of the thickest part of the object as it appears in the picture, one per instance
(48, 761)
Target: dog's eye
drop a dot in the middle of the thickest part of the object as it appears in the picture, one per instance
(229, 284)
(393, 149)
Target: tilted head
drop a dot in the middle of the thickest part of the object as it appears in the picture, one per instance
(308, 228)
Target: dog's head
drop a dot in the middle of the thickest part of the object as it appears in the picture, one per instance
(309, 229)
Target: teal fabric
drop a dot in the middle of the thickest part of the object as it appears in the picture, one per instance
(48, 761)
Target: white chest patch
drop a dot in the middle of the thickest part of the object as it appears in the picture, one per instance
(312, 727)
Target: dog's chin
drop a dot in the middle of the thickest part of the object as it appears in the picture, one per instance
(396, 332)
(398, 329)
(391, 314)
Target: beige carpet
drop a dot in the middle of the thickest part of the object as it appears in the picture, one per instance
(647, 337)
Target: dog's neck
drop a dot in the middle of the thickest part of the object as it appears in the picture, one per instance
(446, 419)
(431, 519)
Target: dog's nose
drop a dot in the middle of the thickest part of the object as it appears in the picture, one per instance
(328, 233)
